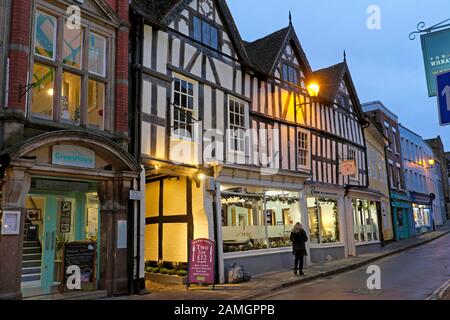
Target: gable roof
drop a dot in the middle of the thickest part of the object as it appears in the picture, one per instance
(109, 13)
(163, 12)
(265, 52)
(329, 80)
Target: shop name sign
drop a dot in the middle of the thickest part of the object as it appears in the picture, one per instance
(348, 168)
(73, 156)
(201, 262)
(436, 55)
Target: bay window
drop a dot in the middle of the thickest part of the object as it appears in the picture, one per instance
(365, 220)
(323, 215)
(70, 79)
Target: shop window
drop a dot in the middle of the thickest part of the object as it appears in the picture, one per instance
(64, 61)
(236, 116)
(45, 35)
(323, 215)
(365, 220)
(70, 98)
(43, 91)
(256, 219)
(421, 215)
(206, 33)
(183, 97)
(96, 104)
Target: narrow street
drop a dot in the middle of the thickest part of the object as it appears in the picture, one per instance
(413, 275)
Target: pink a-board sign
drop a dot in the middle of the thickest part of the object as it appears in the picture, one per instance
(201, 261)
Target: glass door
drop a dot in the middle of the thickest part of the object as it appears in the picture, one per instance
(49, 244)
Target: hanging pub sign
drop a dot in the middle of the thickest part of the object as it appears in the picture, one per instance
(201, 262)
(348, 168)
(436, 55)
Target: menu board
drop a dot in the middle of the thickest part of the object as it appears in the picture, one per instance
(81, 254)
(201, 262)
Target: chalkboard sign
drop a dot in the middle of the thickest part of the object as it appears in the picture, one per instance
(201, 262)
(83, 255)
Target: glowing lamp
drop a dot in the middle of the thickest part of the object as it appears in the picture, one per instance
(431, 162)
(313, 89)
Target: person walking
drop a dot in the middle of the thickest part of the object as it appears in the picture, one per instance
(298, 238)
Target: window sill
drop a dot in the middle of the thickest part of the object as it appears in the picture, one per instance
(256, 253)
(363, 243)
(326, 245)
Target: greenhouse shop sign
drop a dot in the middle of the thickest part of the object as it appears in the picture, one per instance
(73, 156)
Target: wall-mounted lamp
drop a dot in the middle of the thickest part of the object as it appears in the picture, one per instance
(313, 89)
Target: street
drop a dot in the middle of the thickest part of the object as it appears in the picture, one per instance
(413, 275)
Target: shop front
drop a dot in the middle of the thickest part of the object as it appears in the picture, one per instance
(422, 212)
(257, 217)
(325, 212)
(402, 216)
(66, 187)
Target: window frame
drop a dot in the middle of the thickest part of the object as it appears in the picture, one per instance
(173, 133)
(230, 137)
(308, 157)
(60, 67)
(55, 34)
(211, 24)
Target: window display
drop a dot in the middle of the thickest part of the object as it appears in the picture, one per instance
(365, 220)
(421, 215)
(324, 226)
(254, 218)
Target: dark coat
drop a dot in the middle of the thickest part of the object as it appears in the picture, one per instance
(298, 242)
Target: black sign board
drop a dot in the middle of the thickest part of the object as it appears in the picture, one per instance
(83, 255)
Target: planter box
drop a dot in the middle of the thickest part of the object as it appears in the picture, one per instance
(165, 278)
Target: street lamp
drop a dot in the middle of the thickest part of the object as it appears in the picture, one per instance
(313, 91)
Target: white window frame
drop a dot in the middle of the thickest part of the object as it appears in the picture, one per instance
(105, 41)
(308, 150)
(173, 133)
(232, 127)
(353, 177)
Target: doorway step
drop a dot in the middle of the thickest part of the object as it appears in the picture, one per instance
(31, 262)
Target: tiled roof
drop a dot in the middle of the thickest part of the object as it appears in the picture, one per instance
(329, 80)
(263, 53)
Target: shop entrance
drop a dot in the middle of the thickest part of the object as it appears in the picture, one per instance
(57, 212)
(401, 220)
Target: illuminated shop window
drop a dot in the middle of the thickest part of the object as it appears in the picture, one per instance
(96, 104)
(254, 218)
(70, 98)
(365, 220)
(323, 215)
(421, 215)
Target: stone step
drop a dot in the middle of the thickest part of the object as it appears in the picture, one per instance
(31, 270)
(27, 250)
(31, 256)
(31, 244)
(31, 263)
(31, 277)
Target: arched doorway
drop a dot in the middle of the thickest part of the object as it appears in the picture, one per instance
(67, 186)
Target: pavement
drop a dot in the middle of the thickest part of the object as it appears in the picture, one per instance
(263, 285)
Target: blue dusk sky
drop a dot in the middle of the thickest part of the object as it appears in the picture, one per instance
(385, 65)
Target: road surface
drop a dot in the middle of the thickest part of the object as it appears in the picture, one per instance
(413, 275)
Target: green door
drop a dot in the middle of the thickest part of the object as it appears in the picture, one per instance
(401, 220)
(48, 244)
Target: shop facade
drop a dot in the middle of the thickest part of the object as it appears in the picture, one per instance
(422, 210)
(66, 186)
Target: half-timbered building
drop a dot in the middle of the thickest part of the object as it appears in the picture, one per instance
(235, 147)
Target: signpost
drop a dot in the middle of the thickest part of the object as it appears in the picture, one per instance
(201, 269)
(443, 97)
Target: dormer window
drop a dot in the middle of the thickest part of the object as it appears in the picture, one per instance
(290, 74)
(206, 33)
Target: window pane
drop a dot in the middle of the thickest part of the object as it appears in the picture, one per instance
(285, 73)
(197, 29)
(96, 104)
(97, 54)
(42, 97)
(45, 35)
(71, 98)
(206, 33)
(72, 47)
(214, 38)
(329, 221)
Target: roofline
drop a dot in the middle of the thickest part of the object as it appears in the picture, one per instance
(388, 112)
